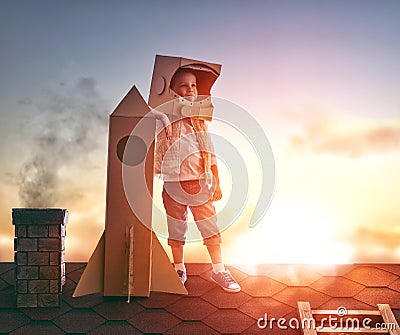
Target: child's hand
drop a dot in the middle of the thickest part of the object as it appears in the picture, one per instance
(217, 193)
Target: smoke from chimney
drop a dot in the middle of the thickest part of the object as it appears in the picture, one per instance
(71, 123)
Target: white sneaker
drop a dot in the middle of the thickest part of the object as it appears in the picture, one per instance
(182, 275)
(225, 280)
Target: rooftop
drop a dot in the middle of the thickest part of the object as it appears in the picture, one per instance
(273, 289)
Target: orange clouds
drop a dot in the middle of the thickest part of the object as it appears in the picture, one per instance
(347, 139)
(375, 244)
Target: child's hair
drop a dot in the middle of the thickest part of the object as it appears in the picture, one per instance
(178, 73)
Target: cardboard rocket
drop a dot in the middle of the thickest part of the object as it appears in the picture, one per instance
(129, 259)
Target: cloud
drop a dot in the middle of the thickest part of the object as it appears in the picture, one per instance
(375, 245)
(70, 124)
(25, 101)
(347, 138)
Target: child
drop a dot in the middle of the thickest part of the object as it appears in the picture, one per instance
(185, 158)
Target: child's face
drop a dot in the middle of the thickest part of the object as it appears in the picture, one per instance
(186, 86)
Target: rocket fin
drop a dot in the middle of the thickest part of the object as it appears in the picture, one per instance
(163, 275)
(92, 279)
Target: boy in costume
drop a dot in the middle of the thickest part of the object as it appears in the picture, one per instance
(185, 158)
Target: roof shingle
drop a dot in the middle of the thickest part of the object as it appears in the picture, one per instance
(273, 289)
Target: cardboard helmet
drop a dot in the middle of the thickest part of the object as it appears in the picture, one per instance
(165, 100)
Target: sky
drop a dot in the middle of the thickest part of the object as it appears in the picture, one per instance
(320, 77)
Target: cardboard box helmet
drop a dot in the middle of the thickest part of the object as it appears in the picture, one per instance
(165, 100)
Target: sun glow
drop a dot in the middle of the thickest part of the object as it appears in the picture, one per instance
(6, 248)
(291, 234)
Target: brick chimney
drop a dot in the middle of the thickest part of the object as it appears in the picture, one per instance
(39, 255)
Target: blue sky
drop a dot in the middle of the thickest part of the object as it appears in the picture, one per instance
(45, 41)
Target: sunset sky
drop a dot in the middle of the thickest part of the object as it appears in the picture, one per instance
(321, 77)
